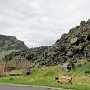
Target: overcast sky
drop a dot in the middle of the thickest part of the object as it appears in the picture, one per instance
(41, 22)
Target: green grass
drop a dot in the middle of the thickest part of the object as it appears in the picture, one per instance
(45, 77)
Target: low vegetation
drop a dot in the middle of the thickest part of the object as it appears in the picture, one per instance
(45, 76)
(3, 53)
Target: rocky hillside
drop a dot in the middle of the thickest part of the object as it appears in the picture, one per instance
(33, 54)
(11, 42)
(70, 47)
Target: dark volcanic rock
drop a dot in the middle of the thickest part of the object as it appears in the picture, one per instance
(70, 46)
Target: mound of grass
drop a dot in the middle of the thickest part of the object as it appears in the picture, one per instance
(16, 72)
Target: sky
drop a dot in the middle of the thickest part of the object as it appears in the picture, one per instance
(41, 22)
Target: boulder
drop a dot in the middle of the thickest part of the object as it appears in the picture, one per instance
(69, 54)
(66, 67)
(73, 40)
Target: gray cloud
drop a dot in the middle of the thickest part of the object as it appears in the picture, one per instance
(41, 22)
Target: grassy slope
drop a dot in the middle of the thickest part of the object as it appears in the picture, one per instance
(45, 77)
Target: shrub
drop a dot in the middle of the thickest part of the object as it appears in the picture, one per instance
(11, 78)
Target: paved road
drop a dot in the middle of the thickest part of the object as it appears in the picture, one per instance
(19, 87)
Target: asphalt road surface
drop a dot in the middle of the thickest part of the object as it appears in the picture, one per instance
(20, 87)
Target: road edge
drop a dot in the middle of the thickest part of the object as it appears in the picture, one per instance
(34, 86)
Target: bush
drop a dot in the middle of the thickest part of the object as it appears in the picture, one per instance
(3, 75)
(27, 73)
(11, 78)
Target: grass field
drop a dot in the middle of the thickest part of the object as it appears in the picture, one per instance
(45, 77)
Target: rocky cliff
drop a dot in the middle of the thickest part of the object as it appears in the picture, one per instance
(11, 42)
(70, 47)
